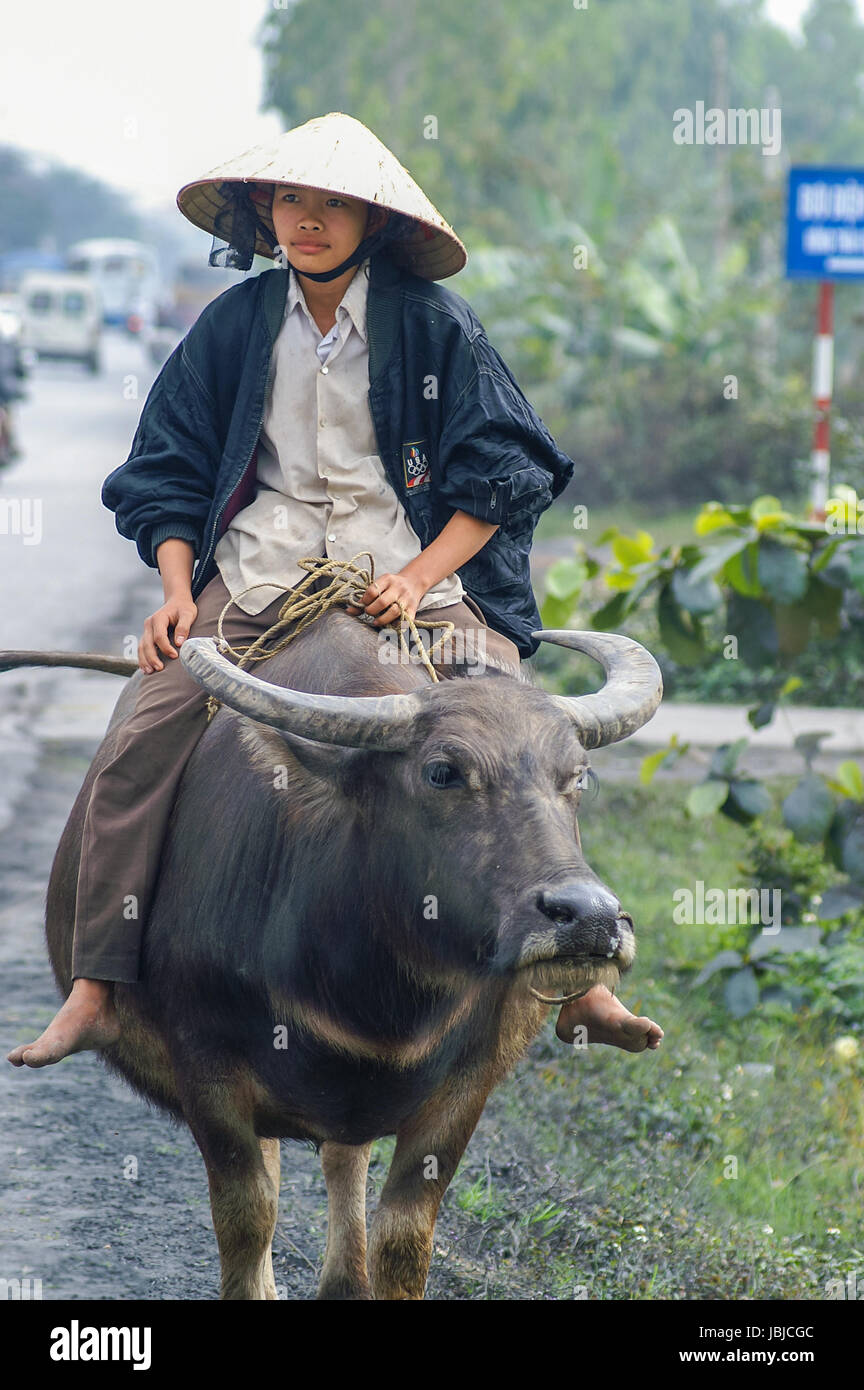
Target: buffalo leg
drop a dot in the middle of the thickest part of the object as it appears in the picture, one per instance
(272, 1162)
(428, 1150)
(344, 1273)
(242, 1174)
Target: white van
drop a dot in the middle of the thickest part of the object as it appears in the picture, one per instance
(62, 316)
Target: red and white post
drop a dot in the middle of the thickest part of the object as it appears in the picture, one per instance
(823, 383)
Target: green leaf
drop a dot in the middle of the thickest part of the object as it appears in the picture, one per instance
(852, 850)
(680, 633)
(649, 765)
(794, 997)
(773, 521)
(741, 992)
(793, 683)
(817, 614)
(786, 940)
(836, 902)
(808, 744)
(633, 550)
(717, 556)
(747, 800)
(557, 612)
(620, 580)
(707, 797)
(565, 578)
(855, 572)
(836, 570)
(742, 571)
(808, 810)
(713, 517)
(703, 596)
(848, 781)
(845, 817)
(761, 715)
(822, 557)
(783, 572)
(766, 505)
(725, 756)
(724, 960)
(608, 618)
(753, 624)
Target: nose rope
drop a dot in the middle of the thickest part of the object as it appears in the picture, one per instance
(557, 999)
(566, 998)
(302, 608)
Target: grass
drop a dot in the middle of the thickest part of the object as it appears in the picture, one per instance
(682, 1174)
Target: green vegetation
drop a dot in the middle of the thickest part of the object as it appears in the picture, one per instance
(758, 603)
(667, 527)
(633, 285)
(605, 1175)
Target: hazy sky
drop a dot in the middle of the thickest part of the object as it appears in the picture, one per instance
(147, 96)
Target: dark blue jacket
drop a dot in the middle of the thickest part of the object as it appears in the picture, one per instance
(454, 432)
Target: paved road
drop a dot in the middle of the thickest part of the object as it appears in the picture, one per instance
(70, 1213)
(62, 563)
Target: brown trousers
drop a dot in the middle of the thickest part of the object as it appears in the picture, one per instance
(132, 797)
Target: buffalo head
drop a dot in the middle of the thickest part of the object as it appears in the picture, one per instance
(461, 802)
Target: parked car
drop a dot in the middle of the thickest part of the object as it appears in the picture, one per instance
(127, 274)
(14, 366)
(62, 316)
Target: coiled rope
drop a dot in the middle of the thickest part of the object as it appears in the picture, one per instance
(348, 583)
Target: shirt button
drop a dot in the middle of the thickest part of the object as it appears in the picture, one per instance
(331, 537)
(325, 370)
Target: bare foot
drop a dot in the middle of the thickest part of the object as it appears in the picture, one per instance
(606, 1020)
(87, 1020)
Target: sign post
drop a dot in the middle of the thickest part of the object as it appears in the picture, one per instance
(824, 241)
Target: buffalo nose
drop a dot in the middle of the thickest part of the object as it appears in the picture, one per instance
(586, 911)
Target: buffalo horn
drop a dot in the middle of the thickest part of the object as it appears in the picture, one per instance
(355, 721)
(631, 694)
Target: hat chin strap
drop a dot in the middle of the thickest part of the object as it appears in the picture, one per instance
(239, 225)
(367, 246)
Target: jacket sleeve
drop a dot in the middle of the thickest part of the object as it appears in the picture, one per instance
(165, 488)
(497, 460)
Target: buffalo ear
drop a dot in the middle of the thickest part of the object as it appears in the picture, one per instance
(327, 760)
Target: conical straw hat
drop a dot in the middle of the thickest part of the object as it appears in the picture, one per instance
(337, 153)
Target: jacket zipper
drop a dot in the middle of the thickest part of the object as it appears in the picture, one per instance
(218, 517)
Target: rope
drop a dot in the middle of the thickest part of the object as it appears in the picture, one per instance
(303, 609)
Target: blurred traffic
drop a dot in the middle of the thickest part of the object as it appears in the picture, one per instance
(57, 306)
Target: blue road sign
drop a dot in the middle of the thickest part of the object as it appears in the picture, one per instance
(825, 225)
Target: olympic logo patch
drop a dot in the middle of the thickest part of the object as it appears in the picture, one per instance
(415, 464)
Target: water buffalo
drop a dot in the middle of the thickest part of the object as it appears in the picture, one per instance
(368, 880)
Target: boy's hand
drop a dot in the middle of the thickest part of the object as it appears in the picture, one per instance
(179, 613)
(383, 596)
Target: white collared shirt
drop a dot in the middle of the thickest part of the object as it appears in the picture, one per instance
(322, 488)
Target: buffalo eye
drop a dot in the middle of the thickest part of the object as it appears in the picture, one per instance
(441, 774)
(580, 781)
